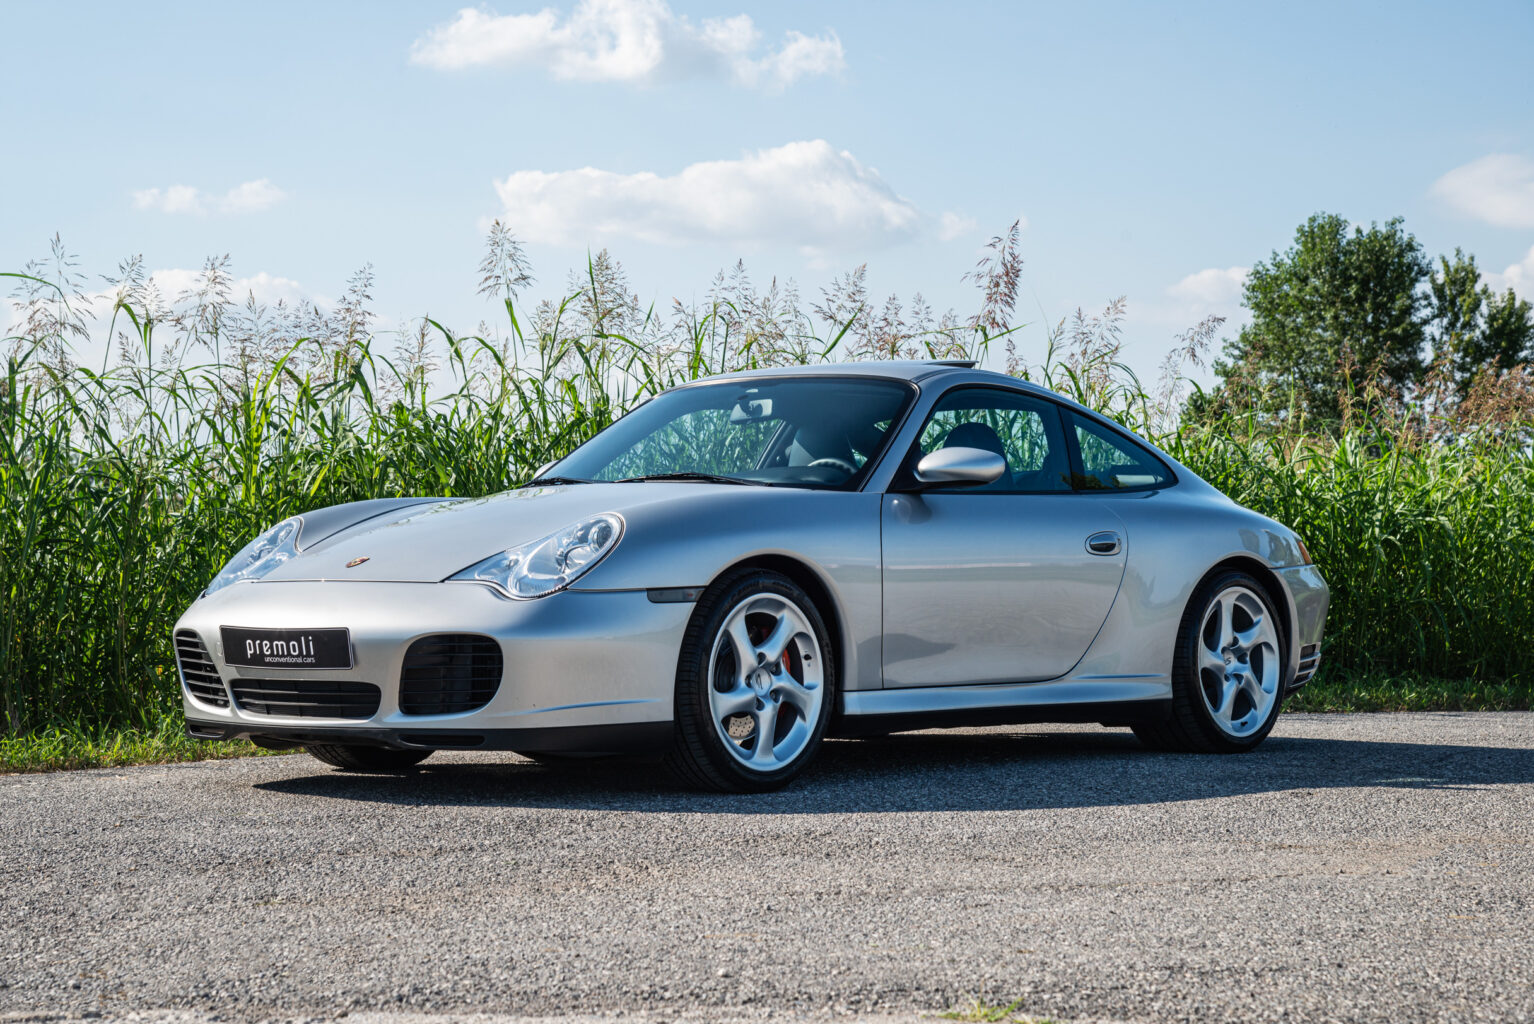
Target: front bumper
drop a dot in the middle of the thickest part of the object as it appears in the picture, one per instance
(630, 738)
(580, 667)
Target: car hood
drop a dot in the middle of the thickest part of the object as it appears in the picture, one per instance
(430, 542)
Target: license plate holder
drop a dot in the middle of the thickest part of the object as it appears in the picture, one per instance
(287, 648)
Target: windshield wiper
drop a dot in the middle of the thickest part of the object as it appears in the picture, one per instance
(711, 478)
(553, 480)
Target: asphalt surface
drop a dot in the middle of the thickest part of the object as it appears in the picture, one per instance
(1355, 868)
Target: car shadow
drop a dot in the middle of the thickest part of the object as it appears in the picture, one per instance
(990, 771)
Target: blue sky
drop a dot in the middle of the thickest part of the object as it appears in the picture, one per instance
(1153, 152)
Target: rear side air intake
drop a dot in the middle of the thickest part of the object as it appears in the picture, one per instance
(1310, 660)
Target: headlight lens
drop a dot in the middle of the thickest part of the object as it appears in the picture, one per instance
(1304, 551)
(550, 564)
(260, 556)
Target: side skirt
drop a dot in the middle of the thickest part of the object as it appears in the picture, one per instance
(1121, 700)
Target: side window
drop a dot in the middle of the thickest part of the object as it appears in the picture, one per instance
(1111, 461)
(1023, 430)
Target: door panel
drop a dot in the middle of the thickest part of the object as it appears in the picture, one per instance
(987, 588)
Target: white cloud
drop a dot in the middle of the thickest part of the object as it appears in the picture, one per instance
(176, 199)
(638, 41)
(267, 288)
(954, 225)
(247, 197)
(270, 288)
(1519, 277)
(1498, 189)
(251, 196)
(1211, 288)
(1215, 291)
(802, 56)
(804, 193)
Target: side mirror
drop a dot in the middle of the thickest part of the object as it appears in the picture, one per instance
(960, 467)
(542, 470)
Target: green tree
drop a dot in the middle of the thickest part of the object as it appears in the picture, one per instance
(1507, 333)
(1472, 328)
(1338, 305)
(1458, 299)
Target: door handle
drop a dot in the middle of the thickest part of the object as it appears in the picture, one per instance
(1105, 543)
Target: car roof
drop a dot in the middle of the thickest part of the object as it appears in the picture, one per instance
(891, 369)
(957, 371)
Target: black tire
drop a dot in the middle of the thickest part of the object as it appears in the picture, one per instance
(1191, 726)
(368, 759)
(698, 756)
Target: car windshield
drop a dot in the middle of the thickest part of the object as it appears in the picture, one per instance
(794, 431)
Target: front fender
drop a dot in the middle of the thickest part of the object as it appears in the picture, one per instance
(835, 534)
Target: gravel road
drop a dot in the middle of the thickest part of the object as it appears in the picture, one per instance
(1355, 868)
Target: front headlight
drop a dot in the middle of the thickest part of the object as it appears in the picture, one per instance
(551, 564)
(260, 556)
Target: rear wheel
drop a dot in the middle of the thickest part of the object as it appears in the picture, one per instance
(368, 759)
(1227, 672)
(755, 685)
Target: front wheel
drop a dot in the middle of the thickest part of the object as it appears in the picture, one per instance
(755, 685)
(1227, 672)
(368, 759)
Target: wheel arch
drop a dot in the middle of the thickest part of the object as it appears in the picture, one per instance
(1277, 593)
(812, 583)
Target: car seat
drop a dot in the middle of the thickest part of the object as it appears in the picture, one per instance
(983, 437)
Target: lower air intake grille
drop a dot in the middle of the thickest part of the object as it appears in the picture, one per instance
(306, 698)
(449, 673)
(198, 673)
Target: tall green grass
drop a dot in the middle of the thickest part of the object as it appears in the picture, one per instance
(125, 489)
(1428, 547)
(125, 492)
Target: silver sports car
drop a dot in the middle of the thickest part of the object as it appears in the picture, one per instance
(749, 562)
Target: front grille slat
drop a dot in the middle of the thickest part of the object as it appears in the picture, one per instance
(360, 700)
(198, 673)
(450, 673)
(307, 698)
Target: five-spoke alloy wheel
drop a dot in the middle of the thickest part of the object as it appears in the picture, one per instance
(1238, 665)
(1227, 673)
(755, 684)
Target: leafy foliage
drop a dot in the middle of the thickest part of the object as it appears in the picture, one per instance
(1474, 330)
(1333, 301)
(1364, 312)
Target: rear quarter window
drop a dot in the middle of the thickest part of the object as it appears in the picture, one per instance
(1111, 461)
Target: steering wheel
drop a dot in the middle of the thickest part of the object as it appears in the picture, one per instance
(838, 463)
